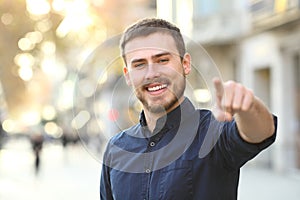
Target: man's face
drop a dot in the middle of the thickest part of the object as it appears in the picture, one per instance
(156, 72)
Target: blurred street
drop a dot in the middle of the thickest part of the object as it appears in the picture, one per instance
(72, 173)
(264, 184)
(69, 173)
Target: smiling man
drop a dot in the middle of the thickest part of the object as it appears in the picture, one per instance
(159, 157)
(157, 73)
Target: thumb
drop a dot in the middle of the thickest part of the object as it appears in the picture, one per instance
(220, 114)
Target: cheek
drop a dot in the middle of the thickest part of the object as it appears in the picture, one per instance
(136, 79)
(176, 73)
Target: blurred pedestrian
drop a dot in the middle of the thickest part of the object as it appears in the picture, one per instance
(37, 141)
(1, 135)
(177, 152)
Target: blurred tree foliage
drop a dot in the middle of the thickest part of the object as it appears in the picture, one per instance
(104, 19)
(16, 24)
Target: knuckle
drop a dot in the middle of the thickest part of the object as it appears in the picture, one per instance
(236, 106)
(250, 93)
(239, 87)
(227, 104)
(229, 84)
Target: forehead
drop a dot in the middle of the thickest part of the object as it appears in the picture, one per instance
(156, 42)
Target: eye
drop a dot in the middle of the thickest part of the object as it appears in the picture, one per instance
(139, 64)
(163, 60)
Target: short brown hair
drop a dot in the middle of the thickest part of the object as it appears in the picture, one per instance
(149, 26)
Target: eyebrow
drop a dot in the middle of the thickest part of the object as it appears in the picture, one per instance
(153, 57)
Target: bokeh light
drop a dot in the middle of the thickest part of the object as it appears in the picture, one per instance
(38, 7)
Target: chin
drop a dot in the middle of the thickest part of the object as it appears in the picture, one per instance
(162, 107)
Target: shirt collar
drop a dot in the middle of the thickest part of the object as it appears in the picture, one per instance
(173, 118)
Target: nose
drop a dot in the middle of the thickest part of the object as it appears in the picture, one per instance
(152, 71)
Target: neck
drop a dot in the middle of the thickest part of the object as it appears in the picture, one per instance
(151, 118)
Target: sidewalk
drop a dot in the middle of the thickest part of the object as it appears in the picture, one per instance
(65, 174)
(73, 174)
(262, 184)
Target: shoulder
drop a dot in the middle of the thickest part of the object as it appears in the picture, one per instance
(131, 131)
(205, 116)
(205, 113)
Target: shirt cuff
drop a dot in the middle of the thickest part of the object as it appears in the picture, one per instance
(256, 146)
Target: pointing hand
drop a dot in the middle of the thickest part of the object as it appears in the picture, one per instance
(231, 98)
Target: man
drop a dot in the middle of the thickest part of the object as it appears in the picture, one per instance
(177, 151)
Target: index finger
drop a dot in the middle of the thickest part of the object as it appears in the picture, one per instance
(218, 87)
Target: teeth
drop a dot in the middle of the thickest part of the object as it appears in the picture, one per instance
(159, 87)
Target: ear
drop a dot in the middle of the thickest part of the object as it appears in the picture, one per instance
(126, 75)
(186, 63)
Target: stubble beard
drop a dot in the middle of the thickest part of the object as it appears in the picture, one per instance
(165, 106)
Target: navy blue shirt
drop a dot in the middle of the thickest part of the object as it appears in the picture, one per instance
(189, 155)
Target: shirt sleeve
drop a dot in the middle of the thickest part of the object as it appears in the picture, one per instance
(235, 150)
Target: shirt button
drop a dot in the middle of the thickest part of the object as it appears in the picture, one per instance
(152, 144)
(148, 171)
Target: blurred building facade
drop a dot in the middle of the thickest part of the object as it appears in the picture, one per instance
(256, 42)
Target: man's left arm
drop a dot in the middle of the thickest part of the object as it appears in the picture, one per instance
(233, 100)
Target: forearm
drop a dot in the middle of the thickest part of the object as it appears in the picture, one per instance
(255, 124)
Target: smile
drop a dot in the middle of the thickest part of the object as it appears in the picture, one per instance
(157, 88)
